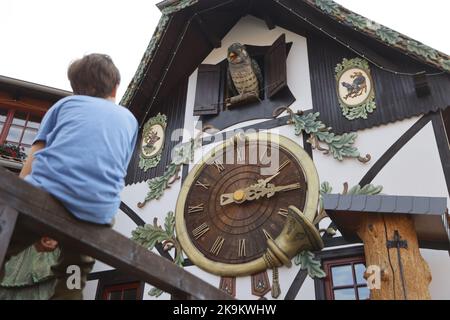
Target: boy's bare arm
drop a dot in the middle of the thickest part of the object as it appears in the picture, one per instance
(46, 244)
(26, 169)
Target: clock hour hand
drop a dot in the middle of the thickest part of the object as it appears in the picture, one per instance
(226, 198)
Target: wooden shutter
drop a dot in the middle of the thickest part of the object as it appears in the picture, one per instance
(275, 67)
(208, 90)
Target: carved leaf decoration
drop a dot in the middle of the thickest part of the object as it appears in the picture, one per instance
(421, 49)
(325, 188)
(356, 20)
(158, 185)
(388, 35)
(368, 189)
(169, 224)
(149, 235)
(446, 64)
(328, 6)
(340, 146)
(155, 292)
(307, 123)
(306, 261)
(146, 164)
(182, 154)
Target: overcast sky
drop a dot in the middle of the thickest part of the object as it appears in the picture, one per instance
(39, 38)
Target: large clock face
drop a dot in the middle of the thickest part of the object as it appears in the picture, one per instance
(238, 198)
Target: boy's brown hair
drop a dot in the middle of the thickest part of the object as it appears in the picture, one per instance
(93, 75)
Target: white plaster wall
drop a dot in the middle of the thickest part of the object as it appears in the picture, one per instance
(90, 290)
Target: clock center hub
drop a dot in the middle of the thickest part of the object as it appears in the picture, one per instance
(239, 195)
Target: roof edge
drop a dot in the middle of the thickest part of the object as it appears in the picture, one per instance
(383, 34)
(34, 86)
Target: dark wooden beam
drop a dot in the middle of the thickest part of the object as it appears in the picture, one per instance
(296, 285)
(269, 22)
(264, 125)
(8, 218)
(212, 38)
(45, 215)
(441, 136)
(262, 11)
(392, 151)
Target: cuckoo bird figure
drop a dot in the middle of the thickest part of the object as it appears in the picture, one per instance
(244, 77)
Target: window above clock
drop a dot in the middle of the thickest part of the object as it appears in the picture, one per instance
(248, 84)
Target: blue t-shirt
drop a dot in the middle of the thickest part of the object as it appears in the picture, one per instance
(89, 142)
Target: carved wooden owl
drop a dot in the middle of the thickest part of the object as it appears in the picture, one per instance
(244, 74)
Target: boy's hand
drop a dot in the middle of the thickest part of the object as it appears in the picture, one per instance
(46, 244)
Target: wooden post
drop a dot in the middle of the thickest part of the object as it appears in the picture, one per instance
(406, 278)
(8, 219)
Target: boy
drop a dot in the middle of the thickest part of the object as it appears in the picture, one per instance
(80, 156)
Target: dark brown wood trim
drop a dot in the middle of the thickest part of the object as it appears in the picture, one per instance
(131, 214)
(212, 38)
(306, 145)
(442, 144)
(113, 277)
(392, 151)
(319, 284)
(334, 242)
(296, 285)
(264, 125)
(184, 173)
(8, 218)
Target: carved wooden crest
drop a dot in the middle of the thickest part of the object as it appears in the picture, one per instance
(355, 88)
(152, 142)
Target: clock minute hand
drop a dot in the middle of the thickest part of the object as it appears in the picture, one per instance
(256, 192)
(274, 189)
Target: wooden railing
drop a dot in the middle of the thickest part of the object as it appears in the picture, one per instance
(35, 209)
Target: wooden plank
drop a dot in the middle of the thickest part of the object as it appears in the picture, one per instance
(46, 215)
(8, 218)
(405, 275)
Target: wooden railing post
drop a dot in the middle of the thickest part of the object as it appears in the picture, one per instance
(8, 218)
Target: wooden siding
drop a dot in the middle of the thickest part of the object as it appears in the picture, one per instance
(395, 94)
(174, 108)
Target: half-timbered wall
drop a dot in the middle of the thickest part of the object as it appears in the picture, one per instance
(414, 170)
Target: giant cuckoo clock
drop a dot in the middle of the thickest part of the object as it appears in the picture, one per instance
(219, 100)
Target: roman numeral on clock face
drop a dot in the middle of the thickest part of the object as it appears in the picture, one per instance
(203, 185)
(241, 248)
(197, 208)
(217, 246)
(267, 234)
(240, 154)
(284, 164)
(283, 212)
(200, 231)
(219, 166)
